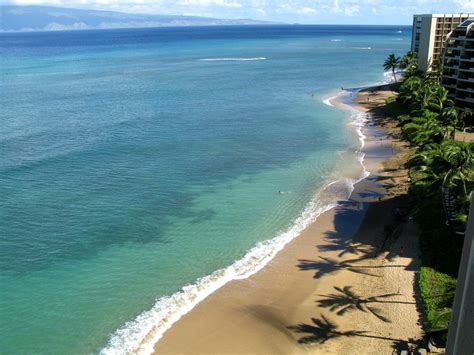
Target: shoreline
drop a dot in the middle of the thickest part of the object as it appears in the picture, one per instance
(143, 333)
(265, 312)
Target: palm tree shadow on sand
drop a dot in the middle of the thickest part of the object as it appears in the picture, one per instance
(323, 330)
(346, 247)
(346, 300)
(328, 266)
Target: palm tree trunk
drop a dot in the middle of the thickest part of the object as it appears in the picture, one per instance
(394, 76)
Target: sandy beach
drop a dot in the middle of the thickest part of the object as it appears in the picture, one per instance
(347, 284)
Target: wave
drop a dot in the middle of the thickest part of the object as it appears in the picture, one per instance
(362, 48)
(328, 100)
(358, 118)
(399, 31)
(336, 40)
(231, 59)
(141, 334)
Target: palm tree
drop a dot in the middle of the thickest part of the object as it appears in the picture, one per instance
(411, 90)
(392, 63)
(449, 164)
(435, 71)
(451, 118)
(438, 98)
(423, 131)
(409, 63)
(460, 163)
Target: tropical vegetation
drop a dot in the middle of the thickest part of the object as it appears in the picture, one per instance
(392, 63)
(440, 168)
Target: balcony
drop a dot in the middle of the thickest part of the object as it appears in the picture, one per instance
(452, 66)
(466, 89)
(449, 86)
(451, 55)
(466, 64)
(466, 80)
(466, 99)
(449, 76)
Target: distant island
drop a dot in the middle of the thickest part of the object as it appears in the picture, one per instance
(48, 18)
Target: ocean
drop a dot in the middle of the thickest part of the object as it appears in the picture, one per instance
(141, 169)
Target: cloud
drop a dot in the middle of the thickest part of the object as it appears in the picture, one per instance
(307, 10)
(351, 10)
(303, 11)
(207, 3)
(468, 5)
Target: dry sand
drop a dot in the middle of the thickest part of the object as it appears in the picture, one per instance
(345, 285)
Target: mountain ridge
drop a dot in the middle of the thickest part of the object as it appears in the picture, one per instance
(31, 18)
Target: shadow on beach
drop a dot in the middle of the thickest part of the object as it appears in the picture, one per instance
(366, 240)
(322, 330)
(362, 239)
(345, 300)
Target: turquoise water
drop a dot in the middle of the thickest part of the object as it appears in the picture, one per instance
(134, 162)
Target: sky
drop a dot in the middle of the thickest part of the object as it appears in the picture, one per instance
(397, 12)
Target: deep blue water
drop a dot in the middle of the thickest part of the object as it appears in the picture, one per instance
(135, 161)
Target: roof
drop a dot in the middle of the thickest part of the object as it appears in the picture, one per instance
(443, 15)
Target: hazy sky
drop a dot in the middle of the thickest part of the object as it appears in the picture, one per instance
(301, 11)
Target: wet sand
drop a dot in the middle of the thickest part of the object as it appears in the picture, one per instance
(345, 285)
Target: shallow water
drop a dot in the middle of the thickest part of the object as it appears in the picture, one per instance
(136, 161)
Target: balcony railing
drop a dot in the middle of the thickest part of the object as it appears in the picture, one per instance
(466, 99)
(466, 89)
(449, 86)
(452, 66)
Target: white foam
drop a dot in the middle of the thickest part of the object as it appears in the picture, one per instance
(362, 48)
(328, 101)
(336, 40)
(231, 59)
(141, 334)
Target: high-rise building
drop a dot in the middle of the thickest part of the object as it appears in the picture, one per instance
(429, 36)
(458, 72)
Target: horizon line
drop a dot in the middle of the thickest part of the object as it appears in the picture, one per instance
(268, 22)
